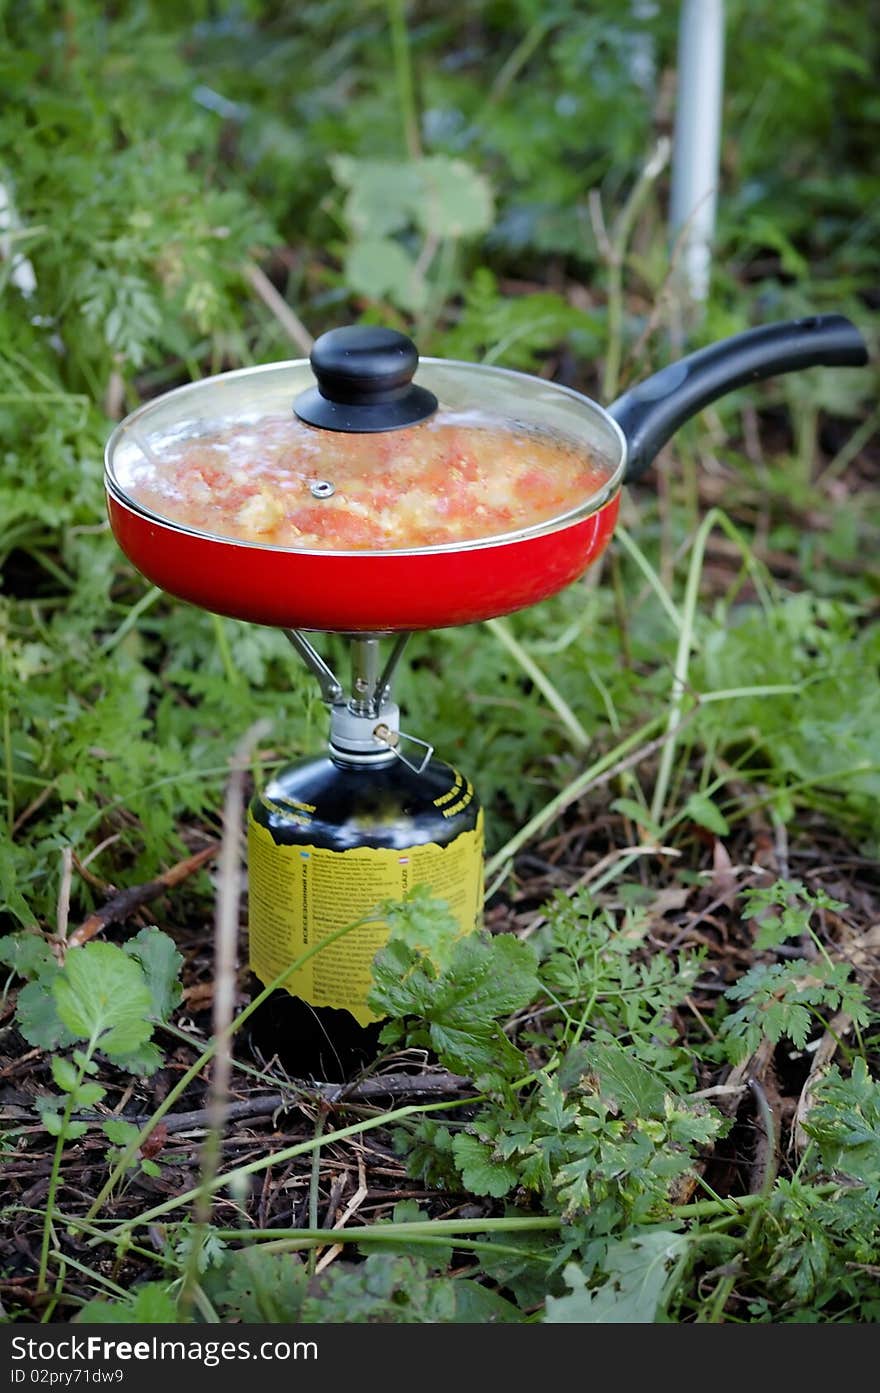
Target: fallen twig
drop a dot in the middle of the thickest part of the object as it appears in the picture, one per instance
(123, 904)
(225, 954)
(63, 912)
(435, 1085)
(766, 1153)
(392, 1086)
(290, 322)
(32, 807)
(351, 1208)
(839, 1026)
(727, 1097)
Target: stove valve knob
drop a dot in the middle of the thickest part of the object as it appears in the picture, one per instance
(392, 738)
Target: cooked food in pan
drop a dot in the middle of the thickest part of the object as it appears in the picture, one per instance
(456, 477)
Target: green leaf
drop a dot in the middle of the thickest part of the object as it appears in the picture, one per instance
(438, 196)
(117, 1130)
(64, 1073)
(380, 269)
(122, 308)
(828, 732)
(487, 979)
(142, 1062)
(637, 1269)
(151, 1304)
(50, 1117)
(624, 1082)
(27, 953)
(54, 1122)
(706, 814)
(481, 1172)
(37, 1013)
(442, 196)
(636, 813)
(480, 1051)
(88, 1094)
(573, 1066)
(845, 1122)
(765, 231)
(477, 1305)
(454, 199)
(102, 995)
(84, 1062)
(210, 1251)
(382, 194)
(161, 963)
(785, 909)
(423, 924)
(385, 1289)
(263, 1288)
(11, 897)
(787, 1018)
(778, 998)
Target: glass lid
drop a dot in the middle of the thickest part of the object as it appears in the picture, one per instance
(377, 457)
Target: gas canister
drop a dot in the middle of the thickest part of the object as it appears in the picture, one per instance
(330, 839)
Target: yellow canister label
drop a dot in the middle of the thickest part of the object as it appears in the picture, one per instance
(298, 895)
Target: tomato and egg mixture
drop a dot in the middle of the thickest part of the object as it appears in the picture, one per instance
(457, 477)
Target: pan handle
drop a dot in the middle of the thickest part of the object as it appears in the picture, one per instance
(651, 412)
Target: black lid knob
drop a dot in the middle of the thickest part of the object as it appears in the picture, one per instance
(364, 382)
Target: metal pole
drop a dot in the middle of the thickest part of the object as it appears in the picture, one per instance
(697, 143)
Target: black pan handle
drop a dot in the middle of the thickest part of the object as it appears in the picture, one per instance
(651, 412)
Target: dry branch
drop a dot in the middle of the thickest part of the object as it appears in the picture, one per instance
(839, 1026)
(127, 901)
(289, 321)
(439, 1084)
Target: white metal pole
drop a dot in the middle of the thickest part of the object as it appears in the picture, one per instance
(697, 142)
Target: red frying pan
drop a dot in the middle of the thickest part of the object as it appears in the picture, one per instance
(365, 381)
